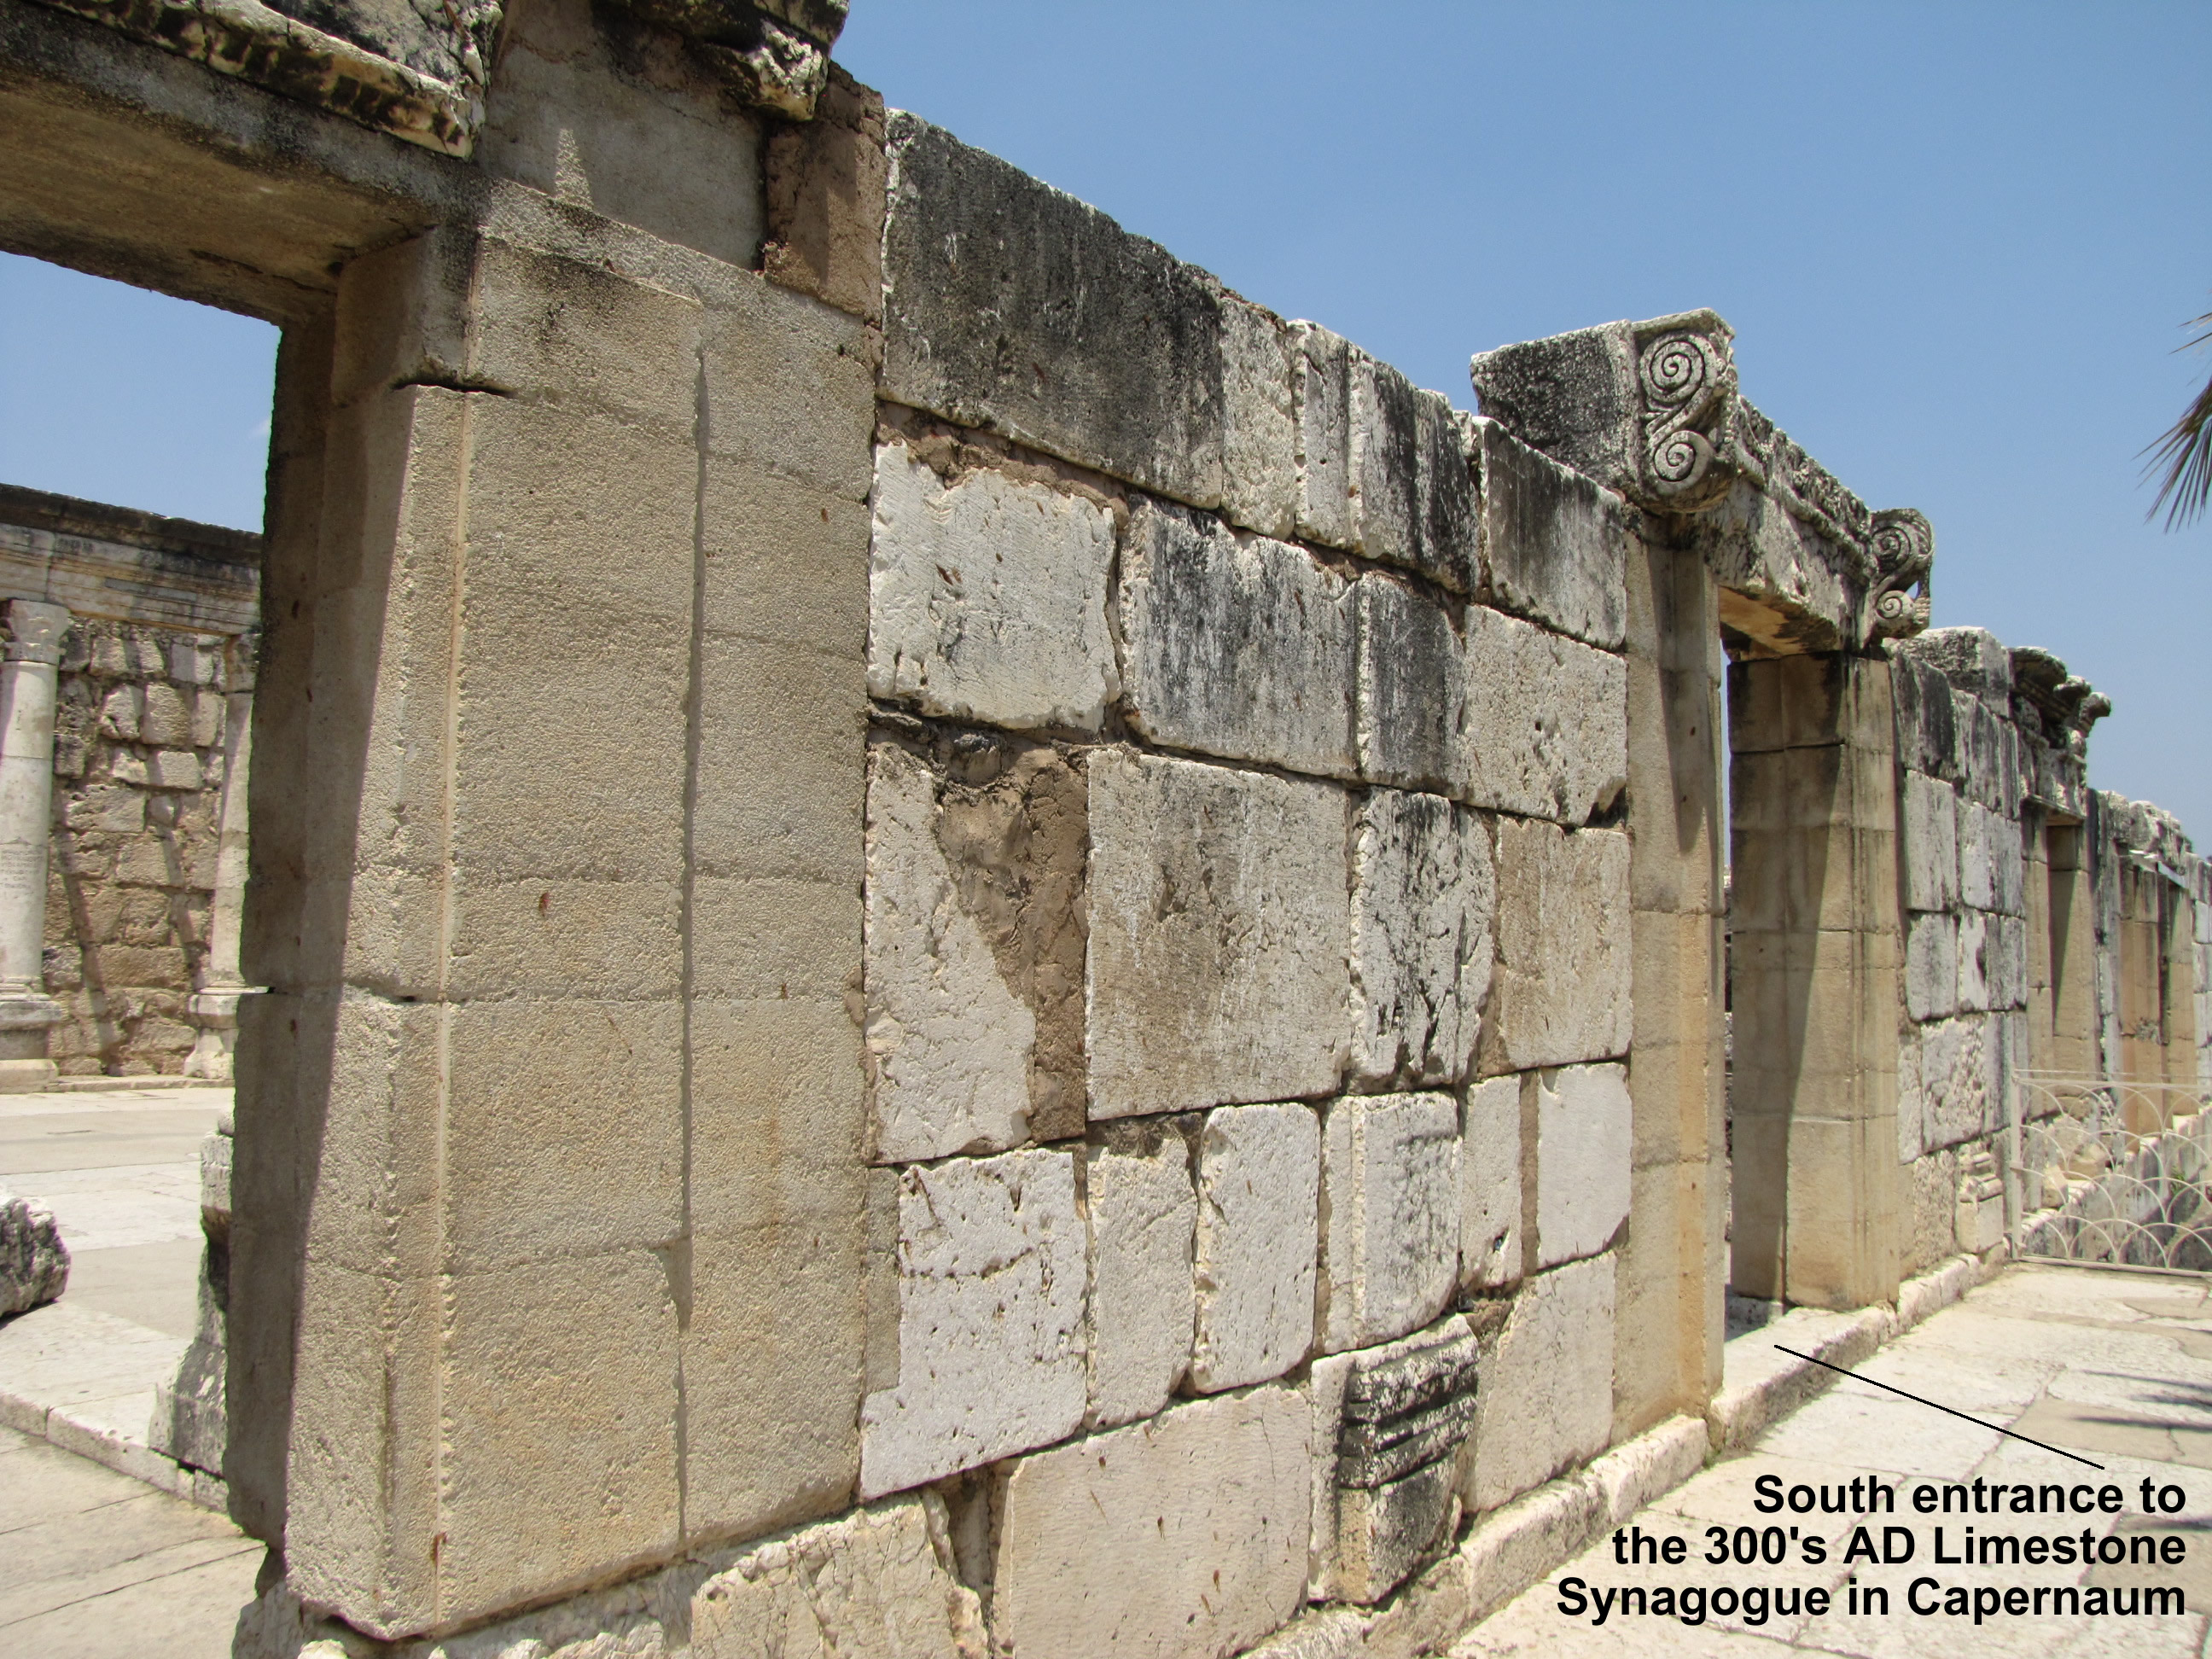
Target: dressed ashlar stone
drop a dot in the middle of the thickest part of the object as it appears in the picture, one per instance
(1259, 1186)
(1423, 903)
(1390, 1242)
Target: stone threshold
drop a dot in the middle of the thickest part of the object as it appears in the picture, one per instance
(1515, 1545)
(100, 1083)
(84, 1381)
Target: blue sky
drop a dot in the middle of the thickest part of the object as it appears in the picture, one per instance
(1958, 243)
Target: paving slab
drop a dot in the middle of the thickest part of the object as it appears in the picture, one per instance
(2111, 1368)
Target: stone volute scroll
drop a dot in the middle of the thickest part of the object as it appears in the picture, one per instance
(1686, 379)
(28, 685)
(1903, 546)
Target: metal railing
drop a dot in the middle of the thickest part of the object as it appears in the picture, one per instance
(2117, 1171)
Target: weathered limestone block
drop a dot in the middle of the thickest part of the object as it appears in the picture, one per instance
(1423, 904)
(2004, 962)
(1259, 440)
(1931, 812)
(1972, 659)
(2008, 866)
(1391, 1233)
(1236, 645)
(1554, 543)
(1950, 1075)
(1979, 830)
(878, 1583)
(1259, 1189)
(989, 1265)
(1974, 960)
(1490, 1183)
(987, 598)
(949, 1040)
(1219, 933)
(1547, 726)
(1584, 1127)
(1414, 500)
(1388, 1422)
(189, 1423)
(1547, 1398)
(1989, 757)
(1321, 368)
(1412, 712)
(35, 1263)
(1561, 991)
(1184, 1535)
(1144, 1214)
(824, 193)
(1931, 966)
(1128, 337)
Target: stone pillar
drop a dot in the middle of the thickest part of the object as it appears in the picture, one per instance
(1813, 968)
(214, 1004)
(27, 790)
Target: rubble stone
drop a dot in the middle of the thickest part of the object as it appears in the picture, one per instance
(988, 1291)
(1583, 1131)
(987, 598)
(1144, 1213)
(1185, 1535)
(1391, 1233)
(35, 1263)
(1424, 900)
(1259, 1186)
(1220, 929)
(1236, 646)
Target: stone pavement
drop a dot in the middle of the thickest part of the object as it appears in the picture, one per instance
(2115, 1367)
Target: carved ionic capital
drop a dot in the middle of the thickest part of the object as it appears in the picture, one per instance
(1687, 382)
(1904, 547)
(35, 630)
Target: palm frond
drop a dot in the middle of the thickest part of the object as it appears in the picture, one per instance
(2186, 454)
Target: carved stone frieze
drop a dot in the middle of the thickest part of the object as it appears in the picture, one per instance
(775, 53)
(1904, 547)
(2066, 703)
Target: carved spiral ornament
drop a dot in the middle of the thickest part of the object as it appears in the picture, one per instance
(1683, 376)
(1903, 546)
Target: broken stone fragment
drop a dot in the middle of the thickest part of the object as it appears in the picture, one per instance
(35, 1263)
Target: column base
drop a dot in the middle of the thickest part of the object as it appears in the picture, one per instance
(216, 1011)
(24, 1018)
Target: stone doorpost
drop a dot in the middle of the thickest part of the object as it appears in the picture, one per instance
(28, 684)
(1813, 976)
(214, 1004)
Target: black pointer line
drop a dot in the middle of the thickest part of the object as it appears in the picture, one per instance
(1976, 1421)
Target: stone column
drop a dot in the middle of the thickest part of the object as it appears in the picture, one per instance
(27, 789)
(214, 1004)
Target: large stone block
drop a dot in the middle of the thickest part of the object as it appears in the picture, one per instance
(1388, 1422)
(1219, 933)
(1259, 1191)
(1930, 811)
(2004, 962)
(989, 1265)
(1259, 440)
(1561, 991)
(1490, 1183)
(1424, 902)
(1054, 325)
(1144, 1214)
(1974, 941)
(1180, 1538)
(1547, 1398)
(987, 598)
(1584, 1126)
(1979, 830)
(1320, 370)
(1931, 966)
(1413, 503)
(1927, 733)
(2008, 866)
(1411, 713)
(1546, 724)
(1949, 1079)
(1391, 1233)
(1236, 645)
(878, 1583)
(1554, 543)
(974, 949)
